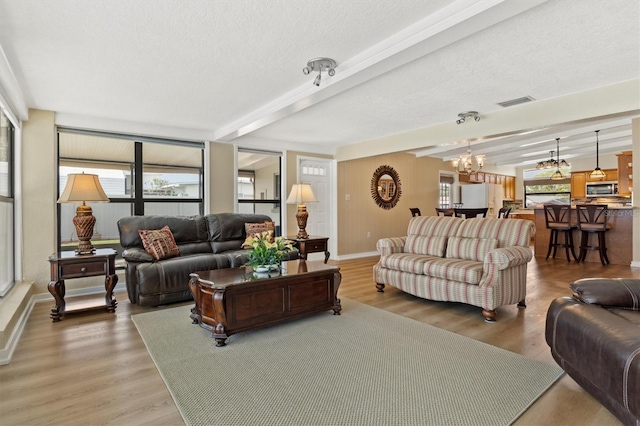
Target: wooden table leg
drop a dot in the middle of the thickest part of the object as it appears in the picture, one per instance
(109, 284)
(57, 290)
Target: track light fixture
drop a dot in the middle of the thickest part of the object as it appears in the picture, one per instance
(318, 64)
(467, 114)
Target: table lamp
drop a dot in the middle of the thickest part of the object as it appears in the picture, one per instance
(83, 188)
(301, 193)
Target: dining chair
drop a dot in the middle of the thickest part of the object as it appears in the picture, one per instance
(471, 213)
(415, 211)
(503, 213)
(444, 212)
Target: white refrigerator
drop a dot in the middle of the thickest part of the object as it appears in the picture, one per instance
(481, 195)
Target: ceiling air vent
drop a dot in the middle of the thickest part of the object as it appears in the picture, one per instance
(518, 101)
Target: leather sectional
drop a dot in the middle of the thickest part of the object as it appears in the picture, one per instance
(205, 242)
(595, 337)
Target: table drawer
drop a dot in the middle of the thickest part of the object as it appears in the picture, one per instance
(82, 270)
(315, 246)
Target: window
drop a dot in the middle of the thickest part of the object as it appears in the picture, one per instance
(141, 176)
(7, 237)
(446, 182)
(539, 188)
(259, 187)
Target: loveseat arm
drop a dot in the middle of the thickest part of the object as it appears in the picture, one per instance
(137, 255)
(608, 292)
(387, 246)
(507, 257)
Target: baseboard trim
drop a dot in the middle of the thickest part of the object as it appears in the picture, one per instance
(6, 353)
(635, 264)
(356, 255)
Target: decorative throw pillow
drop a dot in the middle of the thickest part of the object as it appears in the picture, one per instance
(159, 243)
(253, 229)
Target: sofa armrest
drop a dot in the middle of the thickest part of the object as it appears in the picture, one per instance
(597, 347)
(387, 246)
(608, 292)
(136, 254)
(508, 257)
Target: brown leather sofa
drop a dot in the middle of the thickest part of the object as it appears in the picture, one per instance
(595, 337)
(205, 242)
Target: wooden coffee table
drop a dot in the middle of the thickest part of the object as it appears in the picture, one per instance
(228, 301)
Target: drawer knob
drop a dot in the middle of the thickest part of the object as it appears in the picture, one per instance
(83, 269)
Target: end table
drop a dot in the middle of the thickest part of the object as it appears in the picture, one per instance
(313, 244)
(68, 265)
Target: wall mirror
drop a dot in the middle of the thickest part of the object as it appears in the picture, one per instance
(385, 187)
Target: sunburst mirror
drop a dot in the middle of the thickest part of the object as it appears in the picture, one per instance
(385, 187)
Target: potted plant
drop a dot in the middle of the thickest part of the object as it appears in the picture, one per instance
(266, 252)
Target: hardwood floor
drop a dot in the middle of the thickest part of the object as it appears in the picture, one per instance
(94, 368)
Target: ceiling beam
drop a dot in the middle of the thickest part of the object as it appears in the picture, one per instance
(450, 24)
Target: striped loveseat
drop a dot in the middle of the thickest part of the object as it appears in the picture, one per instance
(481, 262)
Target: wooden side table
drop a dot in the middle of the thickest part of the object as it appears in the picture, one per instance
(68, 265)
(313, 244)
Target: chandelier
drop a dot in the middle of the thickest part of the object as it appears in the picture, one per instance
(557, 175)
(464, 164)
(552, 163)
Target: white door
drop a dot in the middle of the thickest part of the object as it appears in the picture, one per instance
(316, 171)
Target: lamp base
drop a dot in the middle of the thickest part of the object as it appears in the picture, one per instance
(301, 216)
(84, 220)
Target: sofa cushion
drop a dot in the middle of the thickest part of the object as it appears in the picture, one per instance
(434, 226)
(431, 246)
(185, 229)
(406, 262)
(512, 232)
(466, 271)
(159, 243)
(470, 248)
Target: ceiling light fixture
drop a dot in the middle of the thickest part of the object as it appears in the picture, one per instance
(465, 160)
(467, 114)
(318, 64)
(597, 173)
(557, 175)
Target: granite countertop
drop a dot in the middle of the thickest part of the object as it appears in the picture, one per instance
(611, 207)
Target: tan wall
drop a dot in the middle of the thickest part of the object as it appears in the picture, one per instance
(222, 178)
(359, 215)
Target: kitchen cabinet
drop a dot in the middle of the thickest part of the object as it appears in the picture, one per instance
(625, 173)
(508, 183)
(578, 184)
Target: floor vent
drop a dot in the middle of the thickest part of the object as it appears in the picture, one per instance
(518, 101)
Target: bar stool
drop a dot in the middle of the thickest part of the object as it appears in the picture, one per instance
(503, 213)
(558, 219)
(592, 219)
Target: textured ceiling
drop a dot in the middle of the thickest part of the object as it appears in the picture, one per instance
(231, 69)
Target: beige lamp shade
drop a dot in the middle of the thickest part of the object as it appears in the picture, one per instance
(81, 188)
(301, 193)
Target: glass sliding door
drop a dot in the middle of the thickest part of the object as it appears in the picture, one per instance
(259, 184)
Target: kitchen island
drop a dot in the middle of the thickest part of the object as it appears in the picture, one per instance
(619, 238)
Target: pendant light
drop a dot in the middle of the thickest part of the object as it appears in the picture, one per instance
(597, 173)
(558, 174)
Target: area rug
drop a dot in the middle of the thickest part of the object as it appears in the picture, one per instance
(364, 367)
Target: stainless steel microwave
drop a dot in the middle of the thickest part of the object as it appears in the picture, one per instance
(602, 189)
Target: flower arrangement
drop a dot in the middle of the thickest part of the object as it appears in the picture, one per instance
(264, 250)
